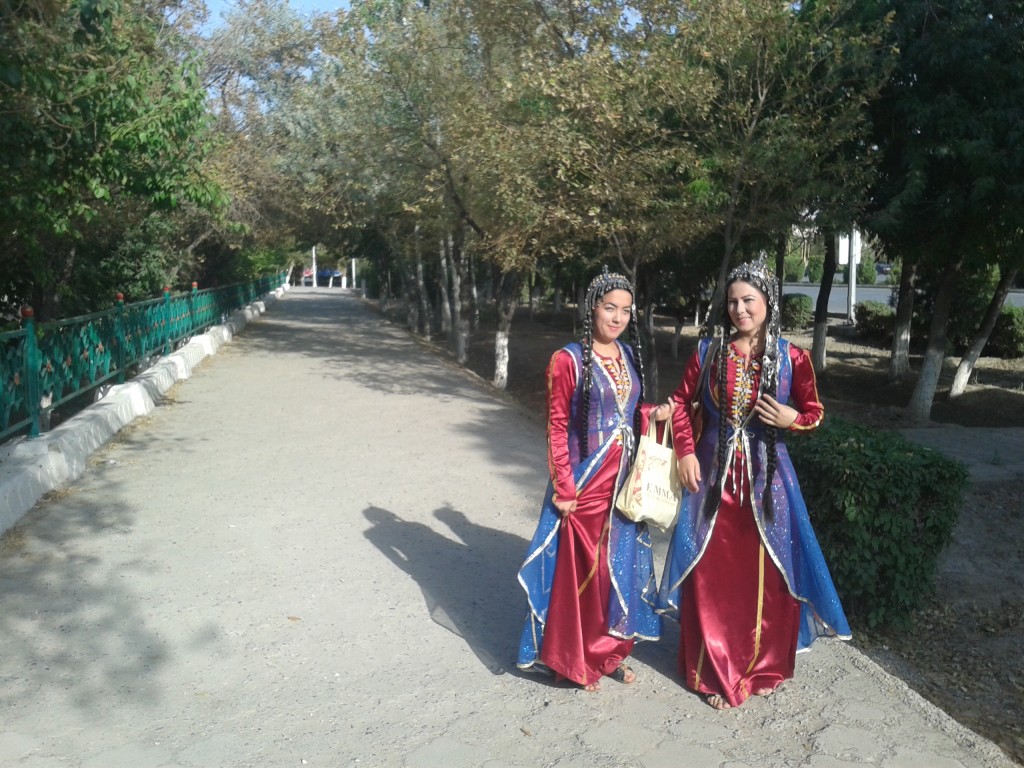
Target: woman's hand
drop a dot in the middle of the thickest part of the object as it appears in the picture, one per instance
(689, 472)
(565, 508)
(775, 414)
(663, 411)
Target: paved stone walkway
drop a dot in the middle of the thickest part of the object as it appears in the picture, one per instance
(306, 555)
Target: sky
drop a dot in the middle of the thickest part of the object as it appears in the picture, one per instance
(217, 7)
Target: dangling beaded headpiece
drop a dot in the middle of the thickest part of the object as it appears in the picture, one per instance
(605, 283)
(758, 274)
(601, 285)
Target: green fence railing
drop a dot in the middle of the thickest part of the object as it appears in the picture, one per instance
(47, 365)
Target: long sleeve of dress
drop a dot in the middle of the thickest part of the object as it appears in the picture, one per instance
(682, 428)
(561, 385)
(804, 395)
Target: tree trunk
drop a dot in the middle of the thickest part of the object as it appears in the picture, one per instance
(650, 352)
(508, 297)
(412, 299)
(970, 358)
(718, 297)
(46, 299)
(444, 253)
(920, 406)
(899, 362)
(676, 336)
(556, 298)
(819, 344)
(462, 290)
(780, 258)
(421, 288)
(474, 298)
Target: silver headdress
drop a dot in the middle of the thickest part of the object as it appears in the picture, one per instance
(758, 274)
(604, 283)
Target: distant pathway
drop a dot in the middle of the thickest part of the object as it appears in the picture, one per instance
(993, 456)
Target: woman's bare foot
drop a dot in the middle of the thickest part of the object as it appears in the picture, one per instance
(764, 691)
(591, 687)
(716, 701)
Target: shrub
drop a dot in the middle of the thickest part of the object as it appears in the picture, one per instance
(815, 268)
(866, 272)
(797, 311)
(883, 509)
(970, 300)
(792, 269)
(875, 320)
(1007, 339)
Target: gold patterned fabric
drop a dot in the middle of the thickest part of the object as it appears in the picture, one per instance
(619, 373)
(746, 377)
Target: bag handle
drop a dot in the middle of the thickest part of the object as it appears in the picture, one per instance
(666, 435)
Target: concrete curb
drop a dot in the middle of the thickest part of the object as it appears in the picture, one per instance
(31, 468)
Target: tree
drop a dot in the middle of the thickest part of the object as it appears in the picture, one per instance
(949, 188)
(100, 104)
(788, 91)
(980, 339)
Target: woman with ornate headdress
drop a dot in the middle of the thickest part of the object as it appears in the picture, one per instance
(589, 572)
(744, 575)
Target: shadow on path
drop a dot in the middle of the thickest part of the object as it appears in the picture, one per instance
(71, 622)
(468, 585)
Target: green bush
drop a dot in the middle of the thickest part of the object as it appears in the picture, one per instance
(883, 509)
(875, 320)
(970, 301)
(815, 268)
(793, 269)
(866, 273)
(797, 311)
(1007, 339)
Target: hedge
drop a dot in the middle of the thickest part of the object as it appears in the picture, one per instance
(1007, 339)
(875, 320)
(883, 509)
(797, 311)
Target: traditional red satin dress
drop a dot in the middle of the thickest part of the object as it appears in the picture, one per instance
(739, 623)
(577, 644)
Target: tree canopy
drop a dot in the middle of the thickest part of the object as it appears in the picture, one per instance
(459, 145)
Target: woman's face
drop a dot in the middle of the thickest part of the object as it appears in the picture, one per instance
(611, 315)
(748, 308)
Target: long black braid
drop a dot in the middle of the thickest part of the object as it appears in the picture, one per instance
(638, 354)
(600, 286)
(758, 275)
(714, 492)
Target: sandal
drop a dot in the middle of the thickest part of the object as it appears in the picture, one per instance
(624, 675)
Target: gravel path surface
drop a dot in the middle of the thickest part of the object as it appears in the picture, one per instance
(307, 556)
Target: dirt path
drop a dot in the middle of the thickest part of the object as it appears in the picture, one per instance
(306, 556)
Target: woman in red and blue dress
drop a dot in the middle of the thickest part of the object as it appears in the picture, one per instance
(745, 575)
(589, 572)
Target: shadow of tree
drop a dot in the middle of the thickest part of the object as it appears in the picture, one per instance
(70, 623)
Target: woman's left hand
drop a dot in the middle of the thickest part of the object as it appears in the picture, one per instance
(775, 414)
(663, 411)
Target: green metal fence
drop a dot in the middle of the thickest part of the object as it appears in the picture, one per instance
(48, 365)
